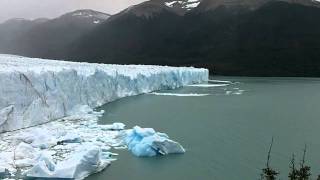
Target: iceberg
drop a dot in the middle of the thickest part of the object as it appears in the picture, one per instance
(88, 161)
(148, 142)
(36, 91)
(24, 155)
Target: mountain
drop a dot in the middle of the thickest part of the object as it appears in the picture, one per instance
(44, 37)
(230, 37)
(13, 28)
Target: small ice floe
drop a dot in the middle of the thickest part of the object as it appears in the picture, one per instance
(180, 95)
(37, 137)
(114, 126)
(148, 142)
(208, 85)
(239, 92)
(24, 155)
(87, 161)
(236, 92)
(228, 92)
(69, 138)
(219, 81)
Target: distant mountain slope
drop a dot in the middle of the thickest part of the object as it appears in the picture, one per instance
(274, 38)
(47, 38)
(230, 37)
(14, 28)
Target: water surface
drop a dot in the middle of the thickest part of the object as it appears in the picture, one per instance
(227, 133)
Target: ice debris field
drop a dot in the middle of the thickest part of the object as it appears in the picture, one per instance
(48, 126)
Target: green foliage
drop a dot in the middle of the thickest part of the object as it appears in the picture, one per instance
(304, 171)
(268, 173)
(301, 173)
(294, 173)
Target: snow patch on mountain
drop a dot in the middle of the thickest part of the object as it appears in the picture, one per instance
(95, 16)
(184, 4)
(90, 13)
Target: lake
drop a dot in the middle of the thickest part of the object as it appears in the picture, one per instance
(227, 133)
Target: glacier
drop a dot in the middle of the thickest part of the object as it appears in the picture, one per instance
(48, 125)
(36, 91)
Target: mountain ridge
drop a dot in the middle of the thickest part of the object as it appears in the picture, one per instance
(47, 37)
(273, 38)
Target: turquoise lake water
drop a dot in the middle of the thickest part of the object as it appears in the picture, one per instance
(227, 133)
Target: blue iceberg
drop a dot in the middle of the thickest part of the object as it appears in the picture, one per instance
(147, 142)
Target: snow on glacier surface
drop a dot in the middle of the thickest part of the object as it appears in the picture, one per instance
(36, 91)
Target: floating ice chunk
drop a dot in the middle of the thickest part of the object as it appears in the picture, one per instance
(179, 95)
(228, 92)
(70, 138)
(43, 168)
(40, 138)
(79, 166)
(22, 163)
(219, 81)
(118, 126)
(147, 142)
(239, 92)
(114, 126)
(6, 160)
(208, 85)
(166, 146)
(24, 151)
(24, 155)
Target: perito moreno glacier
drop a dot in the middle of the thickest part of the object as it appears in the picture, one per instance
(48, 128)
(36, 91)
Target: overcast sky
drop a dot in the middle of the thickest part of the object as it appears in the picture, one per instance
(32, 9)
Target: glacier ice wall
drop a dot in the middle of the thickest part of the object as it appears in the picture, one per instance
(36, 91)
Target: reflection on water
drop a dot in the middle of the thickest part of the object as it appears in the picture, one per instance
(226, 133)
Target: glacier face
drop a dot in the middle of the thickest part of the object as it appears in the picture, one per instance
(36, 91)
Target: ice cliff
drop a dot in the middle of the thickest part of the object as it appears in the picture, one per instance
(36, 91)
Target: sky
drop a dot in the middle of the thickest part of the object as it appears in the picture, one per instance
(32, 9)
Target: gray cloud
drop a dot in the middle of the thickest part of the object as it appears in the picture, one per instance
(32, 9)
